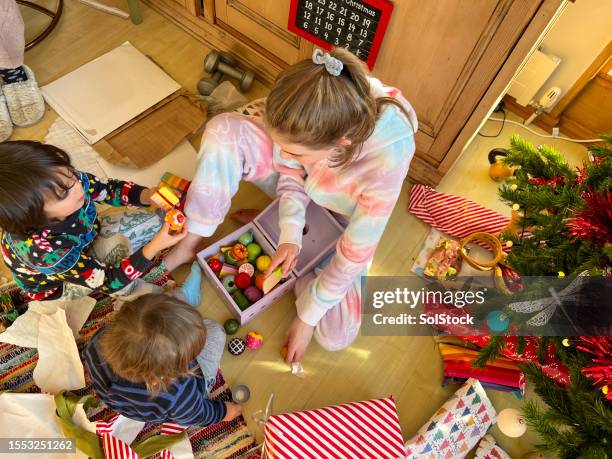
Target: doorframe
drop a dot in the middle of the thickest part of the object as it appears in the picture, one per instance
(529, 41)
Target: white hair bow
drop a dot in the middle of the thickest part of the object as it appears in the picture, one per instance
(332, 65)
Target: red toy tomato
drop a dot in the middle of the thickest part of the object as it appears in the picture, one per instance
(243, 280)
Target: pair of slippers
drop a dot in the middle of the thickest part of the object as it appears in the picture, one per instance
(21, 104)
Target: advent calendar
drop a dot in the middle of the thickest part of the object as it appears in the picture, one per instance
(358, 25)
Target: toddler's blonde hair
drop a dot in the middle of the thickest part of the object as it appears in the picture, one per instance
(152, 340)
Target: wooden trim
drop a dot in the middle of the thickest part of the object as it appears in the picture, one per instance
(602, 58)
(575, 130)
(422, 172)
(265, 68)
(289, 37)
(209, 10)
(497, 17)
(539, 23)
(252, 44)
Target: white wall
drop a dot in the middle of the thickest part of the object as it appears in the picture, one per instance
(583, 29)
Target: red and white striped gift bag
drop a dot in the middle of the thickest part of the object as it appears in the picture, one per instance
(454, 215)
(115, 448)
(359, 430)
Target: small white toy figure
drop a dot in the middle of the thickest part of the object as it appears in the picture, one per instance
(21, 103)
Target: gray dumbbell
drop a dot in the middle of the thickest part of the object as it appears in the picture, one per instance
(207, 85)
(215, 62)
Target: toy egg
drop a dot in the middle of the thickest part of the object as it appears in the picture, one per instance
(231, 326)
(240, 252)
(215, 264)
(235, 346)
(253, 340)
(263, 263)
(511, 423)
(254, 250)
(259, 281)
(229, 283)
(229, 258)
(246, 238)
(243, 280)
(253, 294)
(241, 301)
(247, 268)
(497, 321)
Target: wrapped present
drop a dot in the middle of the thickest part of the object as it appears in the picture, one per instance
(551, 366)
(356, 430)
(499, 374)
(489, 449)
(456, 427)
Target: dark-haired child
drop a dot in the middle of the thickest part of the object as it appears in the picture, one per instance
(50, 225)
(156, 361)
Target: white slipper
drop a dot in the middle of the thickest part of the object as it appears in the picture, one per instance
(6, 124)
(24, 100)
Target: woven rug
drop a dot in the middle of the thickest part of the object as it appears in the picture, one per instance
(223, 440)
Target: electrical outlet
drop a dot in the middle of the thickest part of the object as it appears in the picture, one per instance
(555, 132)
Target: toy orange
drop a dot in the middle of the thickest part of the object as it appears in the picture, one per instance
(259, 281)
(240, 252)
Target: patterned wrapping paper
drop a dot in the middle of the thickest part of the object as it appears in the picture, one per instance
(368, 429)
(489, 449)
(456, 427)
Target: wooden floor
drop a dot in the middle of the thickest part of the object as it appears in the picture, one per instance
(409, 368)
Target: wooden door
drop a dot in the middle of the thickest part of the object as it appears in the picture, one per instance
(264, 25)
(444, 56)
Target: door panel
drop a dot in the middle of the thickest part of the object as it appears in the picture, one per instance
(263, 22)
(436, 52)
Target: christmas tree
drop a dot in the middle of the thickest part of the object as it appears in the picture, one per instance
(563, 217)
(562, 224)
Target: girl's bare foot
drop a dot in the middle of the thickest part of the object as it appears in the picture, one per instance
(245, 216)
(183, 252)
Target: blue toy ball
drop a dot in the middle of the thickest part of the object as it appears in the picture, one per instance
(498, 321)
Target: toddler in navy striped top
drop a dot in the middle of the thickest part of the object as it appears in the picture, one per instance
(157, 361)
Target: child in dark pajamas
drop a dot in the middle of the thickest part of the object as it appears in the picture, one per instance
(50, 225)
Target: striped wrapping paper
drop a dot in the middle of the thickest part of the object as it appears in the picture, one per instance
(359, 430)
(115, 448)
(454, 215)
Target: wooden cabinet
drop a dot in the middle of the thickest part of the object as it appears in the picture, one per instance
(264, 24)
(451, 58)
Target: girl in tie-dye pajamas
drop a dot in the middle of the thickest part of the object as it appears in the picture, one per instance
(343, 141)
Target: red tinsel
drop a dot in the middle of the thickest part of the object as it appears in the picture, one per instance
(594, 222)
(601, 369)
(556, 181)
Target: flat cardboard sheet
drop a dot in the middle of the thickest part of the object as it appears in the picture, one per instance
(153, 134)
(109, 91)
